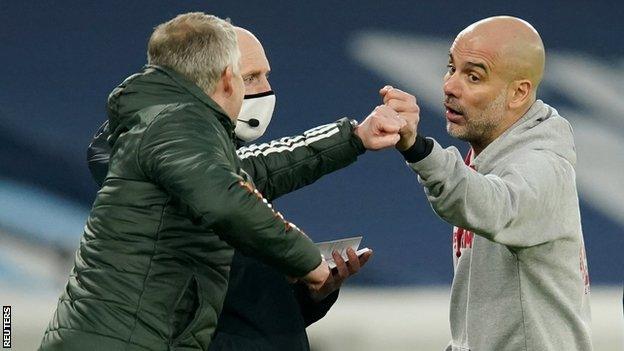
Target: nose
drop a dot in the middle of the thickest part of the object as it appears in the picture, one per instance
(266, 86)
(451, 85)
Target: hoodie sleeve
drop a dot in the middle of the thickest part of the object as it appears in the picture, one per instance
(281, 166)
(514, 208)
(187, 154)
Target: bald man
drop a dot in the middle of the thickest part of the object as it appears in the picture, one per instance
(521, 280)
(262, 310)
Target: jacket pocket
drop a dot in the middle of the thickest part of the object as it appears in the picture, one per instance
(186, 312)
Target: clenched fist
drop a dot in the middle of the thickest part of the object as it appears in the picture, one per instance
(381, 128)
(405, 105)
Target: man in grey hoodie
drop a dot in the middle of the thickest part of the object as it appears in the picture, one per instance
(521, 280)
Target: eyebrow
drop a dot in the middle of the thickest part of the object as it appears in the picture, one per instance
(255, 73)
(472, 64)
(478, 65)
(252, 73)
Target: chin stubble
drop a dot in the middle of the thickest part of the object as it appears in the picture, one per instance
(479, 130)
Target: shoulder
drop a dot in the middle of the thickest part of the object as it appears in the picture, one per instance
(181, 117)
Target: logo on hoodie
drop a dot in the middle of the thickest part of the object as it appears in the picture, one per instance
(462, 240)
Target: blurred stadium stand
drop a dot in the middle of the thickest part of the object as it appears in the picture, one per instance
(61, 59)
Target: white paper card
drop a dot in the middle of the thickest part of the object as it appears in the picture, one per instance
(340, 245)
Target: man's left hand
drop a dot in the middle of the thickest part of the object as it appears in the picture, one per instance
(342, 271)
(407, 108)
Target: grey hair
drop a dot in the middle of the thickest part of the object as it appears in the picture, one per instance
(196, 45)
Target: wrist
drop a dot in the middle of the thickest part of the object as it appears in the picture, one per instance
(328, 297)
(420, 149)
(354, 124)
(402, 146)
(357, 141)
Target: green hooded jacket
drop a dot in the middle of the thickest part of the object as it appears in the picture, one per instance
(152, 268)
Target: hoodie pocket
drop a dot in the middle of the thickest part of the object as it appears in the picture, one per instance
(186, 312)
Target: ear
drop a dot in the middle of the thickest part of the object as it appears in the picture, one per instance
(226, 81)
(520, 93)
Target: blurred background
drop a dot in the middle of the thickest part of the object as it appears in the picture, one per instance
(60, 59)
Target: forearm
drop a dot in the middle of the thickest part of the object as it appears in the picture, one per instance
(493, 206)
(192, 161)
(284, 165)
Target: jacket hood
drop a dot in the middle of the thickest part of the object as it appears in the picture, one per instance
(154, 85)
(541, 128)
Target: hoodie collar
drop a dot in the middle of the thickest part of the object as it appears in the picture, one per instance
(499, 144)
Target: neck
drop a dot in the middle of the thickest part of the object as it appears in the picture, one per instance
(223, 103)
(477, 148)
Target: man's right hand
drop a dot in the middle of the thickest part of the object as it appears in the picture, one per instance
(380, 129)
(317, 277)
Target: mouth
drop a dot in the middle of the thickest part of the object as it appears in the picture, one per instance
(453, 114)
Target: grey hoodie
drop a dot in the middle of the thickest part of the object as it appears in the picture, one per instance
(521, 282)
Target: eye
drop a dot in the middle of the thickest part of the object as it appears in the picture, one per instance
(250, 79)
(451, 68)
(473, 78)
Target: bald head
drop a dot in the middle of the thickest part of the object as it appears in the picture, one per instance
(254, 63)
(510, 43)
(248, 43)
(495, 67)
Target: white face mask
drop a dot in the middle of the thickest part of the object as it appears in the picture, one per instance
(255, 116)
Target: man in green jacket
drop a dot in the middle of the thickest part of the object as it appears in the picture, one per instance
(261, 310)
(152, 268)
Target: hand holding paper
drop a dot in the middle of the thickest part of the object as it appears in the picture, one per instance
(344, 261)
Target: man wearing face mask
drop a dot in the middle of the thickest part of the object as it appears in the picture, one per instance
(262, 311)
